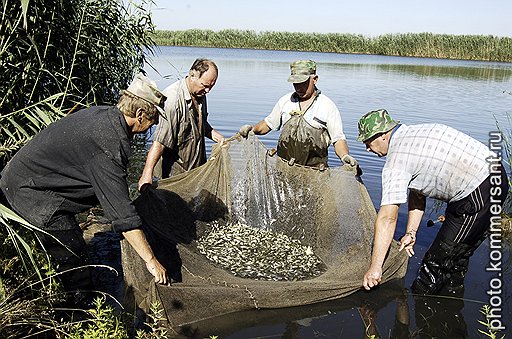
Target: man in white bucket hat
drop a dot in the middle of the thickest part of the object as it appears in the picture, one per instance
(76, 163)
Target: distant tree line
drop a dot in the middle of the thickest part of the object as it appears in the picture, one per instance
(427, 45)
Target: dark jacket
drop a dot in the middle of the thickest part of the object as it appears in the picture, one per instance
(72, 165)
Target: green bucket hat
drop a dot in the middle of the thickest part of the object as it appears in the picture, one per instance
(301, 70)
(373, 123)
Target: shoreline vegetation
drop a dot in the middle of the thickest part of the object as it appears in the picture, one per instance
(423, 45)
(58, 57)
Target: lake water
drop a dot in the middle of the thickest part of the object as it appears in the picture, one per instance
(472, 97)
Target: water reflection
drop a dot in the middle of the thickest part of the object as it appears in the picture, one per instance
(440, 318)
(442, 71)
(387, 312)
(494, 74)
(463, 94)
(401, 328)
(352, 317)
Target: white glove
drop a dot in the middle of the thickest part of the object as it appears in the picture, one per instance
(244, 130)
(349, 160)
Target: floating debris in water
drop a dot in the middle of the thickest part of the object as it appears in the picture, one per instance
(259, 254)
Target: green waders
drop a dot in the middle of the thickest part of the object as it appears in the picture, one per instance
(300, 143)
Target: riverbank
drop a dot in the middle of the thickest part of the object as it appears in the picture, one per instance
(423, 45)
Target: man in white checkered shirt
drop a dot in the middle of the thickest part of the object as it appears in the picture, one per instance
(435, 161)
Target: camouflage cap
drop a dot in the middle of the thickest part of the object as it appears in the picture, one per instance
(301, 70)
(146, 89)
(373, 123)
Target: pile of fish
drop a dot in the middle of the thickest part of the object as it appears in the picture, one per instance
(259, 254)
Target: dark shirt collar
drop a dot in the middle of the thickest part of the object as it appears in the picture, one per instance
(123, 123)
(119, 123)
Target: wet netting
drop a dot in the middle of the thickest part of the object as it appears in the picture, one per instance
(248, 231)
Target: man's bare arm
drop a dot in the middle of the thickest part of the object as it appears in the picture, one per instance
(138, 241)
(154, 154)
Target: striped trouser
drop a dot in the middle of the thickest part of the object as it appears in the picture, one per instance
(466, 225)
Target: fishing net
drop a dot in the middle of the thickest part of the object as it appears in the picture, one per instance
(248, 231)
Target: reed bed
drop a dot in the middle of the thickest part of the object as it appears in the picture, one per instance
(426, 45)
(57, 57)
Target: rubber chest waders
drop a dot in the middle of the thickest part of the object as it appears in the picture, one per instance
(300, 143)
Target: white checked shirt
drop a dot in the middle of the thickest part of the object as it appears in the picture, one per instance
(435, 160)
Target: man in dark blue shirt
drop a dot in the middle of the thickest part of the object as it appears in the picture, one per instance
(75, 163)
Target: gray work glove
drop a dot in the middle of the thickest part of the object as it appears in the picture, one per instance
(352, 162)
(244, 130)
(349, 160)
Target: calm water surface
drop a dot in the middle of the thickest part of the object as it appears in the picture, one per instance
(472, 97)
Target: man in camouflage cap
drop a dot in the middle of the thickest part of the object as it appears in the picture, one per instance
(373, 123)
(309, 121)
(435, 161)
(74, 164)
(301, 70)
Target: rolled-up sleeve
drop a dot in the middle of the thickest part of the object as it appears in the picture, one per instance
(166, 131)
(108, 178)
(395, 185)
(334, 124)
(274, 119)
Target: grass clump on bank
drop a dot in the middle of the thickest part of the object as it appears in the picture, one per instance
(427, 45)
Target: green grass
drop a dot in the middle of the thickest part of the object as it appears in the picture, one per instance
(56, 58)
(428, 45)
(488, 331)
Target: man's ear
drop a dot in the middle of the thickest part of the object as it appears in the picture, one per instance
(139, 114)
(386, 136)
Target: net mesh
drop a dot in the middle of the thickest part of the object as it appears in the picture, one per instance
(329, 212)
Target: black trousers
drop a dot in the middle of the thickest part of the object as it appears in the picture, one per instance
(466, 225)
(67, 249)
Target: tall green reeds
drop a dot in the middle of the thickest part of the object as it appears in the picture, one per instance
(464, 47)
(59, 56)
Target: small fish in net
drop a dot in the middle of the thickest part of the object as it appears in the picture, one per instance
(259, 254)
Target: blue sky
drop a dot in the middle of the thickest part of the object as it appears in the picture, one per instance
(367, 17)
